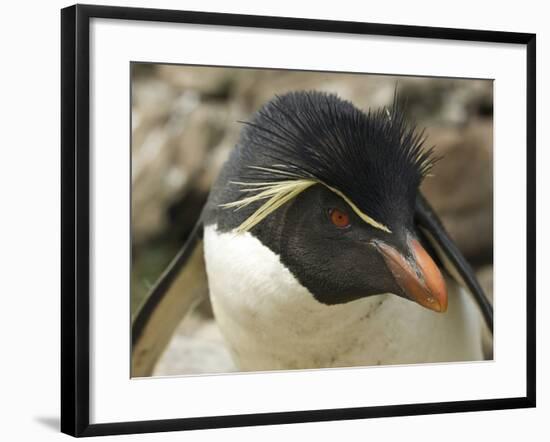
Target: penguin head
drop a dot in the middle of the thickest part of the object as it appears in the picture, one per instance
(331, 190)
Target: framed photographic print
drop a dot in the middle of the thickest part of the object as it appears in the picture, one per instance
(272, 220)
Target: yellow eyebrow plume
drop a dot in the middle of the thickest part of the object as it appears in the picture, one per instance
(359, 213)
(278, 193)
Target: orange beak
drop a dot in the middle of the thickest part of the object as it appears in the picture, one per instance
(420, 278)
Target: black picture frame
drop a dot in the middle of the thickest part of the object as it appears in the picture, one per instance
(75, 225)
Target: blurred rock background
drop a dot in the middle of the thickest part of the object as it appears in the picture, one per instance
(185, 122)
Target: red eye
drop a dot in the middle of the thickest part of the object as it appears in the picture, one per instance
(339, 218)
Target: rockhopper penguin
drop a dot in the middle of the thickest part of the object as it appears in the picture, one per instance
(320, 250)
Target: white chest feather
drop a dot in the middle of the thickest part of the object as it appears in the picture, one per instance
(272, 322)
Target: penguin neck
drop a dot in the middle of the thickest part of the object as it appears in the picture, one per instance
(254, 295)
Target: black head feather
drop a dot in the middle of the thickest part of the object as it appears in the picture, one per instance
(375, 158)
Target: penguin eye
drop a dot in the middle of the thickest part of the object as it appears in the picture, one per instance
(339, 218)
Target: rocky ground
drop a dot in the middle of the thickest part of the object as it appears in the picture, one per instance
(185, 122)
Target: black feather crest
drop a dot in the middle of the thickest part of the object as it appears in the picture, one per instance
(374, 158)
